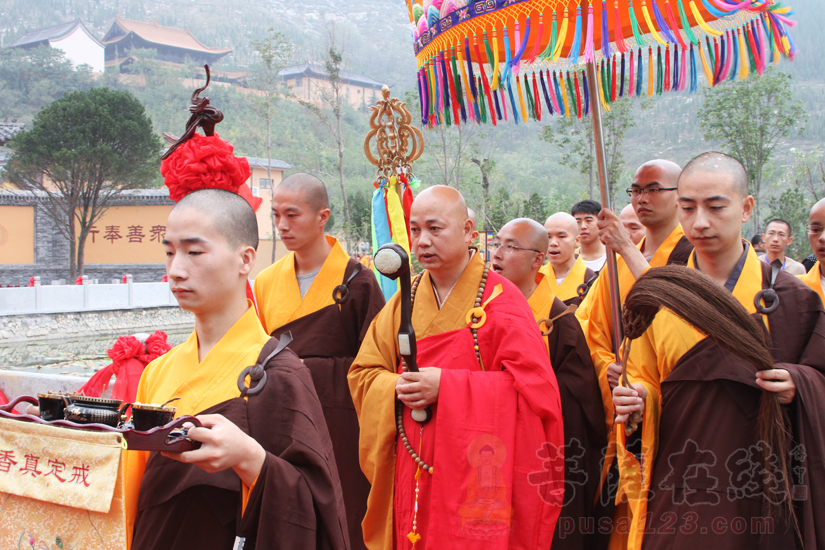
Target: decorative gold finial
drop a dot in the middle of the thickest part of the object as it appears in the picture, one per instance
(397, 143)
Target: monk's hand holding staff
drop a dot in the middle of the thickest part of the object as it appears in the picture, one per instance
(614, 372)
(224, 446)
(418, 390)
(778, 381)
(628, 400)
(614, 236)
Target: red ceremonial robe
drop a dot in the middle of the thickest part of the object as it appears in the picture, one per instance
(512, 407)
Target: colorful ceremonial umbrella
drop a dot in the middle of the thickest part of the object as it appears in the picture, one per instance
(497, 61)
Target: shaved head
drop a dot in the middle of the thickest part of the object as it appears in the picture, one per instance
(816, 236)
(445, 199)
(562, 219)
(312, 189)
(720, 164)
(441, 232)
(230, 214)
(472, 215)
(632, 224)
(520, 264)
(530, 232)
(667, 171)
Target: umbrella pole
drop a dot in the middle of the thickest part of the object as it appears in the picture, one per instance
(604, 188)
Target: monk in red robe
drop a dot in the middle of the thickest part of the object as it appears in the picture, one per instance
(586, 515)
(487, 469)
(693, 473)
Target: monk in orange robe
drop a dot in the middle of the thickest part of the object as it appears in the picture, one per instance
(586, 516)
(692, 473)
(264, 473)
(815, 278)
(318, 285)
(565, 271)
(500, 392)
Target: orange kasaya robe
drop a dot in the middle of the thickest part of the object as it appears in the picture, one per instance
(327, 352)
(199, 385)
(278, 295)
(568, 289)
(511, 406)
(595, 314)
(813, 279)
(585, 511)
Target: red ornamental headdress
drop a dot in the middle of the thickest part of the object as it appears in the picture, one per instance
(197, 161)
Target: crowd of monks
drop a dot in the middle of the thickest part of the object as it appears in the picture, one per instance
(313, 432)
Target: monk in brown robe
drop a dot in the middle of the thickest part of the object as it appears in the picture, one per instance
(265, 474)
(565, 271)
(585, 517)
(326, 300)
(692, 473)
(486, 383)
(815, 278)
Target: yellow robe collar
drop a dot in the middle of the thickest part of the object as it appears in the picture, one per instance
(288, 304)
(203, 384)
(542, 298)
(750, 280)
(541, 301)
(570, 285)
(813, 280)
(666, 249)
(429, 320)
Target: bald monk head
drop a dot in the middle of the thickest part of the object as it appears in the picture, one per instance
(563, 235)
(714, 203)
(654, 193)
(473, 218)
(816, 221)
(210, 243)
(632, 224)
(300, 208)
(441, 232)
(519, 252)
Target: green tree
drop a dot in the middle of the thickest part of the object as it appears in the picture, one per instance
(275, 53)
(82, 150)
(31, 79)
(536, 208)
(748, 118)
(503, 208)
(332, 96)
(574, 137)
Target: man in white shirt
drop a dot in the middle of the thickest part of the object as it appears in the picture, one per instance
(778, 237)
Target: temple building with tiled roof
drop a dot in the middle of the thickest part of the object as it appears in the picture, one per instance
(174, 46)
(76, 42)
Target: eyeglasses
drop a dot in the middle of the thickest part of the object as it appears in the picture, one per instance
(508, 248)
(814, 230)
(648, 191)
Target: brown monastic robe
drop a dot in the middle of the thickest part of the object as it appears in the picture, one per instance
(327, 340)
(707, 486)
(585, 516)
(296, 501)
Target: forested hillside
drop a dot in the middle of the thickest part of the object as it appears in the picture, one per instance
(378, 44)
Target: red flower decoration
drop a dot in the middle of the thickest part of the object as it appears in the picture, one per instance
(126, 347)
(204, 162)
(156, 345)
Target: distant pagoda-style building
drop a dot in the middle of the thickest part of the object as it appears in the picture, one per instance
(174, 46)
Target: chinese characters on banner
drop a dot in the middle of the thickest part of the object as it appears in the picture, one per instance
(29, 465)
